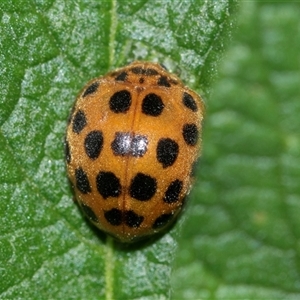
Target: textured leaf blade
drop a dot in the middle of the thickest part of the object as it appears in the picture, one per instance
(48, 51)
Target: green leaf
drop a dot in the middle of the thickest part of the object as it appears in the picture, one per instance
(48, 51)
(241, 239)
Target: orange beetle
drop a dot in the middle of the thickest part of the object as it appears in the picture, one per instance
(131, 143)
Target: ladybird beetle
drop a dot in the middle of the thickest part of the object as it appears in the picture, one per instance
(132, 140)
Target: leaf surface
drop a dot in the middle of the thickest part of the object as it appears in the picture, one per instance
(48, 51)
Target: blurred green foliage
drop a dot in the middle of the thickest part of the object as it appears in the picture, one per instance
(241, 238)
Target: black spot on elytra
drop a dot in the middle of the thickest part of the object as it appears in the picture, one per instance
(122, 76)
(189, 102)
(190, 134)
(150, 72)
(142, 187)
(141, 80)
(166, 152)
(162, 220)
(173, 192)
(152, 105)
(132, 219)
(82, 181)
(93, 144)
(113, 216)
(128, 144)
(142, 71)
(91, 89)
(137, 70)
(89, 213)
(67, 151)
(117, 217)
(79, 121)
(163, 81)
(120, 101)
(108, 184)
